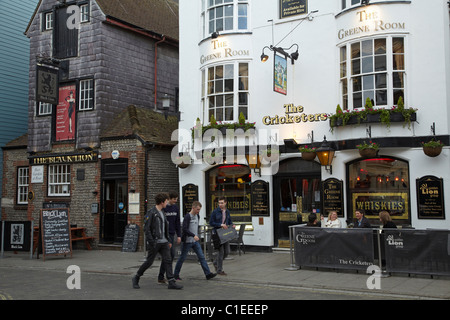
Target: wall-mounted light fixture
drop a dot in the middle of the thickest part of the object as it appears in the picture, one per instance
(166, 104)
(215, 35)
(365, 2)
(326, 154)
(293, 56)
(254, 162)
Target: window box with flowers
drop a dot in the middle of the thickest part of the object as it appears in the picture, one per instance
(199, 130)
(369, 114)
(368, 150)
(308, 153)
(432, 148)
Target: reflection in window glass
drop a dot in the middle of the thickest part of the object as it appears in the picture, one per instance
(232, 181)
(380, 184)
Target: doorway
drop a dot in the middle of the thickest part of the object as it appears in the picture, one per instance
(114, 201)
(297, 193)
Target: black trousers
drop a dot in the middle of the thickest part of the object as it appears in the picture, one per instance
(164, 250)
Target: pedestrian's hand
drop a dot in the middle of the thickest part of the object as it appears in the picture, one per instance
(224, 226)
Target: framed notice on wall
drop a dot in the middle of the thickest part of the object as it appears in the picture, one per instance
(289, 8)
(430, 198)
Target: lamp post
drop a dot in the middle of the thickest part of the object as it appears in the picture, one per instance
(326, 154)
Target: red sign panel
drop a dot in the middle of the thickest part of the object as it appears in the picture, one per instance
(65, 113)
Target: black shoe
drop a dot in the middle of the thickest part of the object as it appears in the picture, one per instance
(210, 276)
(135, 282)
(174, 285)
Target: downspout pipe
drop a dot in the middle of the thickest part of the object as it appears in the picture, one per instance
(156, 70)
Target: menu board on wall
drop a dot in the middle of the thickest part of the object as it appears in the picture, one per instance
(289, 8)
(333, 196)
(260, 198)
(55, 229)
(430, 197)
(190, 194)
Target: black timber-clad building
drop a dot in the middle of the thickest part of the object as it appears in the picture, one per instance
(104, 149)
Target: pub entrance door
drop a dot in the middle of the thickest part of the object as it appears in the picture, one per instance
(297, 193)
(114, 209)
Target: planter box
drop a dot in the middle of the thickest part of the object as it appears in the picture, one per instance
(372, 118)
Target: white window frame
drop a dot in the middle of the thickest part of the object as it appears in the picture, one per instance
(48, 21)
(45, 109)
(346, 77)
(23, 181)
(59, 180)
(86, 95)
(209, 91)
(84, 13)
(219, 5)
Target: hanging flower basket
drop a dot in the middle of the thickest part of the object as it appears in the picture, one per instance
(308, 154)
(368, 150)
(183, 161)
(368, 153)
(432, 148)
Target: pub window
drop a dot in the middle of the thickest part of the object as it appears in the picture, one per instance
(225, 91)
(379, 184)
(22, 185)
(374, 69)
(232, 181)
(86, 95)
(224, 15)
(59, 180)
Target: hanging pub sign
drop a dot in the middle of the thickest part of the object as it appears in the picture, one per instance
(333, 196)
(430, 197)
(47, 84)
(260, 198)
(280, 74)
(289, 8)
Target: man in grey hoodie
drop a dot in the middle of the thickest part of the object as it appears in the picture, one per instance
(190, 240)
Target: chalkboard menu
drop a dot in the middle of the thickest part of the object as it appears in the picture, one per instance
(289, 8)
(55, 230)
(260, 198)
(430, 197)
(190, 194)
(130, 238)
(333, 196)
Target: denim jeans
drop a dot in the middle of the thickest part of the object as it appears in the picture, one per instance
(198, 251)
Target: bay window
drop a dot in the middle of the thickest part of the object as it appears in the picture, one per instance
(225, 91)
(224, 15)
(374, 69)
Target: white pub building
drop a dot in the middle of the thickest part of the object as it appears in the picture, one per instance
(293, 107)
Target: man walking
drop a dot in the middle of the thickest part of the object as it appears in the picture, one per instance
(220, 218)
(190, 240)
(156, 230)
(172, 214)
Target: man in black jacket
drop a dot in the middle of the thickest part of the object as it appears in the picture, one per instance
(361, 220)
(156, 230)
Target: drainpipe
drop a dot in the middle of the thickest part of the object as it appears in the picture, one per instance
(156, 69)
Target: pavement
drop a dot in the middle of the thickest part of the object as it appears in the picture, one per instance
(259, 268)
